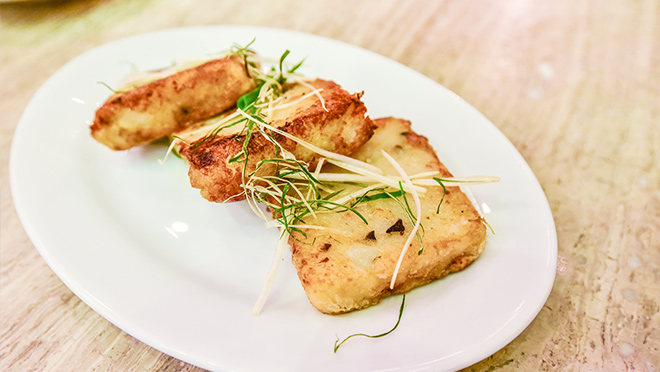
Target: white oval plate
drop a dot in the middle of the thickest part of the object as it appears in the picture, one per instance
(135, 242)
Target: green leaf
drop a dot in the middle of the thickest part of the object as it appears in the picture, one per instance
(248, 99)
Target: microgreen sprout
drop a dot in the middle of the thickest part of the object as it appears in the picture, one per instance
(338, 343)
(108, 86)
(444, 192)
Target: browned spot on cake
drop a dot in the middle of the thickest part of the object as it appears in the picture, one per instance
(397, 227)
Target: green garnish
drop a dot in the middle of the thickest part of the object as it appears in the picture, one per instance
(281, 78)
(444, 192)
(245, 52)
(338, 343)
(108, 86)
(249, 99)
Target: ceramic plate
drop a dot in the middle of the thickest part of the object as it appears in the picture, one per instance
(134, 241)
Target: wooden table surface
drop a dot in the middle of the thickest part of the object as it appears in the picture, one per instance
(575, 86)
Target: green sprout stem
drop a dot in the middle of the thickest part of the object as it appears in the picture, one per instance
(338, 343)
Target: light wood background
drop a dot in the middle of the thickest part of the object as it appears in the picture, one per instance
(574, 84)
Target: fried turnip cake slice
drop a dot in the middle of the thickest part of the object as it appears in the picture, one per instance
(336, 123)
(171, 103)
(348, 265)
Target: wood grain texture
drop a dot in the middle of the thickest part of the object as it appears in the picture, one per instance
(575, 85)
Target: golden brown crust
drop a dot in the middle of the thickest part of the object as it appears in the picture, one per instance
(349, 265)
(342, 128)
(167, 105)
